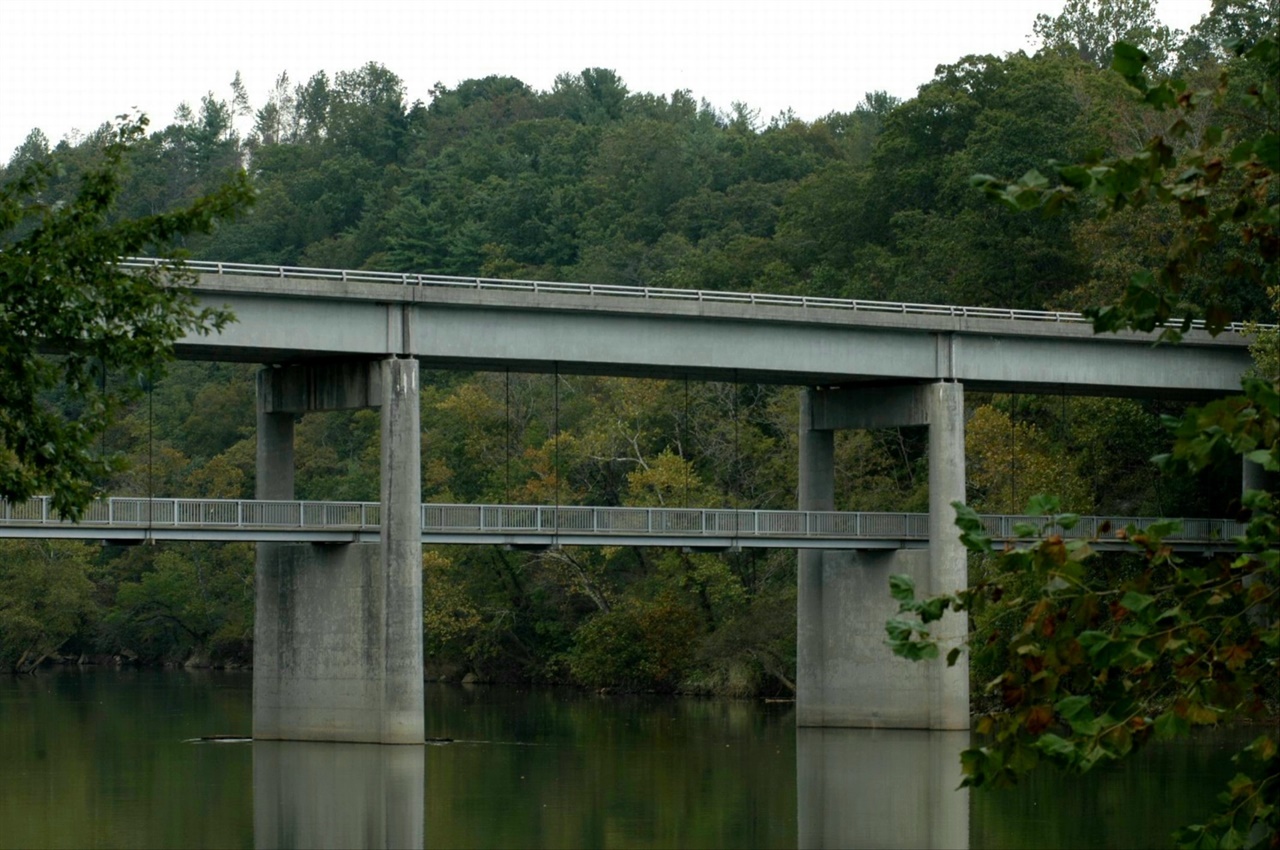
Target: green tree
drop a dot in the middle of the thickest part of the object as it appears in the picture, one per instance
(45, 594)
(1228, 22)
(1090, 669)
(191, 603)
(1088, 28)
(63, 292)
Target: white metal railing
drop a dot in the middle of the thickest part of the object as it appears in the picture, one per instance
(248, 514)
(641, 292)
(140, 512)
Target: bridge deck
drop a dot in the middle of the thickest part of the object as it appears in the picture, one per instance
(126, 519)
(292, 315)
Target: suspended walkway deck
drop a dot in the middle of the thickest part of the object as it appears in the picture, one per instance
(126, 520)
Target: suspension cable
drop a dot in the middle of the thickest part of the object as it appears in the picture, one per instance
(1013, 448)
(507, 421)
(737, 452)
(556, 430)
(151, 444)
(685, 436)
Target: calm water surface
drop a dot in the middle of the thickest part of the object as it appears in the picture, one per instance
(104, 758)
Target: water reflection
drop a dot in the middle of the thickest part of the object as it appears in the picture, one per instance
(880, 788)
(101, 758)
(320, 794)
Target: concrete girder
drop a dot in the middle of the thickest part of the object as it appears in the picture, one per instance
(286, 320)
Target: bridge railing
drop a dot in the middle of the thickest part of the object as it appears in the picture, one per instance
(665, 521)
(136, 512)
(126, 511)
(613, 290)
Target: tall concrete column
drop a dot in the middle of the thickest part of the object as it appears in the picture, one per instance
(845, 673)
(338, 628)
(274, 478)
(403, 712)
(948, 558)
(816, 493)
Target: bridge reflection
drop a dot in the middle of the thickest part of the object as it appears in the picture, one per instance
(323, 794)
(881, 788)
(855, 788)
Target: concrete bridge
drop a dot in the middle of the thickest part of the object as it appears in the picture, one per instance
(132, 520)
(338, 634)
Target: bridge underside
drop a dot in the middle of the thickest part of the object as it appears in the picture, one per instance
(130, 536)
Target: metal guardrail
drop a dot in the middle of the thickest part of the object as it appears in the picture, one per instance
(641, 292)
(231, 514)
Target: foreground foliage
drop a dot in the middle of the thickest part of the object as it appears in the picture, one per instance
(63, 293)
(1087, 667)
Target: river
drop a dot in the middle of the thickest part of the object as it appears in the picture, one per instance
(106, 758)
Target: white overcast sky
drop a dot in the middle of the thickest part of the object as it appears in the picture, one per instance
(70, 65)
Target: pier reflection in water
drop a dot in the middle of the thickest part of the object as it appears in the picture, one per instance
(337, 795)
(880, 788)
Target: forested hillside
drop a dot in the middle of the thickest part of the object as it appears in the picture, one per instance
(593, 182)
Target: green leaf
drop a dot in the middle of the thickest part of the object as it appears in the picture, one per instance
(899, 630)
(1136, 602)
(973, 761)
(1169, 726)
(973, 534)
(1127, 60)
(1163, 528)
(918, 650)
(1043, 504)
(1075, 176)
(1071, 707)
(1056, 747)
(1033, 179)
(1263, 458)
(1162, 96)
(932, 609)
(1267, 150)
(1241, 152)
(902, 588)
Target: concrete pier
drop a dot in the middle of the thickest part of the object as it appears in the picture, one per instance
(845, 673)
(338, 628)
(401, 561)
(948, 558)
